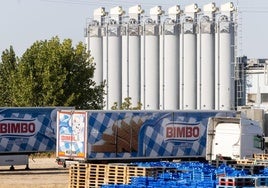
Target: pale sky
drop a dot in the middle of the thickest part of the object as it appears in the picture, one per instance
(25, 21)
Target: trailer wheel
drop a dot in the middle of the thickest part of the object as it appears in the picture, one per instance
(27, 167)
(12, 168)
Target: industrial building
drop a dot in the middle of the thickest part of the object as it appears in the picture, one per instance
(254, 90)
(182, 58)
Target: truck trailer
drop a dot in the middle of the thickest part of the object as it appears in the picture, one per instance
(106, 136)
(24, 131)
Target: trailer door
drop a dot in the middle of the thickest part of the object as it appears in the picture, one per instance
(227, 140)
(71, 129)
(223, 138)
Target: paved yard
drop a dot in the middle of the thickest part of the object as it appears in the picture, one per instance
(44, 172)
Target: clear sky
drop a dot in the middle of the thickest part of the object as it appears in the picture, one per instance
(25, 21)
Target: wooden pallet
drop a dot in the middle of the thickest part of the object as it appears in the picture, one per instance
(115, 174)
(246, 161)
(96, 175)
(260, 156)
(77, 175)
(261, 162)
(135, 171)
(77, 182)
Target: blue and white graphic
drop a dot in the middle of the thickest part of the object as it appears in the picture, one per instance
(71, 134)
(27, 130)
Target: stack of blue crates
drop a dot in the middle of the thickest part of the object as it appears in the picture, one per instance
(192, 175)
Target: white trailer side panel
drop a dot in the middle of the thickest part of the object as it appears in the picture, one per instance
(227, 140)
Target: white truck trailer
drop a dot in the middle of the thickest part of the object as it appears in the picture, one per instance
(91, 136)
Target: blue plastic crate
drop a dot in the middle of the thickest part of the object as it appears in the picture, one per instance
(265, 172)
(139, 181)
(108, 186)
(261, 181)
(166, 176)
(206, 184)
(209, 177)
(190, 175)
(186, 176)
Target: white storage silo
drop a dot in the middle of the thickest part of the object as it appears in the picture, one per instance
(225, 59)
(114, 57)
(95, 43)
(206, 58)
(131, 63)
(170, 59)
(188, 81)
(151, 59)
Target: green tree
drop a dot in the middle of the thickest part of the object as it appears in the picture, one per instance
(126, 105)
(8, 68)
(51, 73)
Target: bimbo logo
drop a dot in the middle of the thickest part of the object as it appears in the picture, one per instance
(182, 132)
(17, 127)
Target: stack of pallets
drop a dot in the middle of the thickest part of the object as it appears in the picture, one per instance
(258, 159)
(115, 174)
(246, 161)
(78, 175)
(134, 171)
(260, 156)
(261, 159)
(96, 175)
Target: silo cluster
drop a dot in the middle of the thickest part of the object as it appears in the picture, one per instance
(179, 59)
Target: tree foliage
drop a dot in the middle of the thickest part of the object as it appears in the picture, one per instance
(8, 68)
(126, 105)
(51, 73)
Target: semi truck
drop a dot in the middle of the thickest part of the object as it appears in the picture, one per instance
(24, 131)
(106, 136)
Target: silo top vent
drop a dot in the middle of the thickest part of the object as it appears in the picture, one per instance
(135, 10)
(100, 12)
(117, 11)
(174, 10)
(116, 14)
(156, 10)
(228, 7)
(193, 8)
(211, 7)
